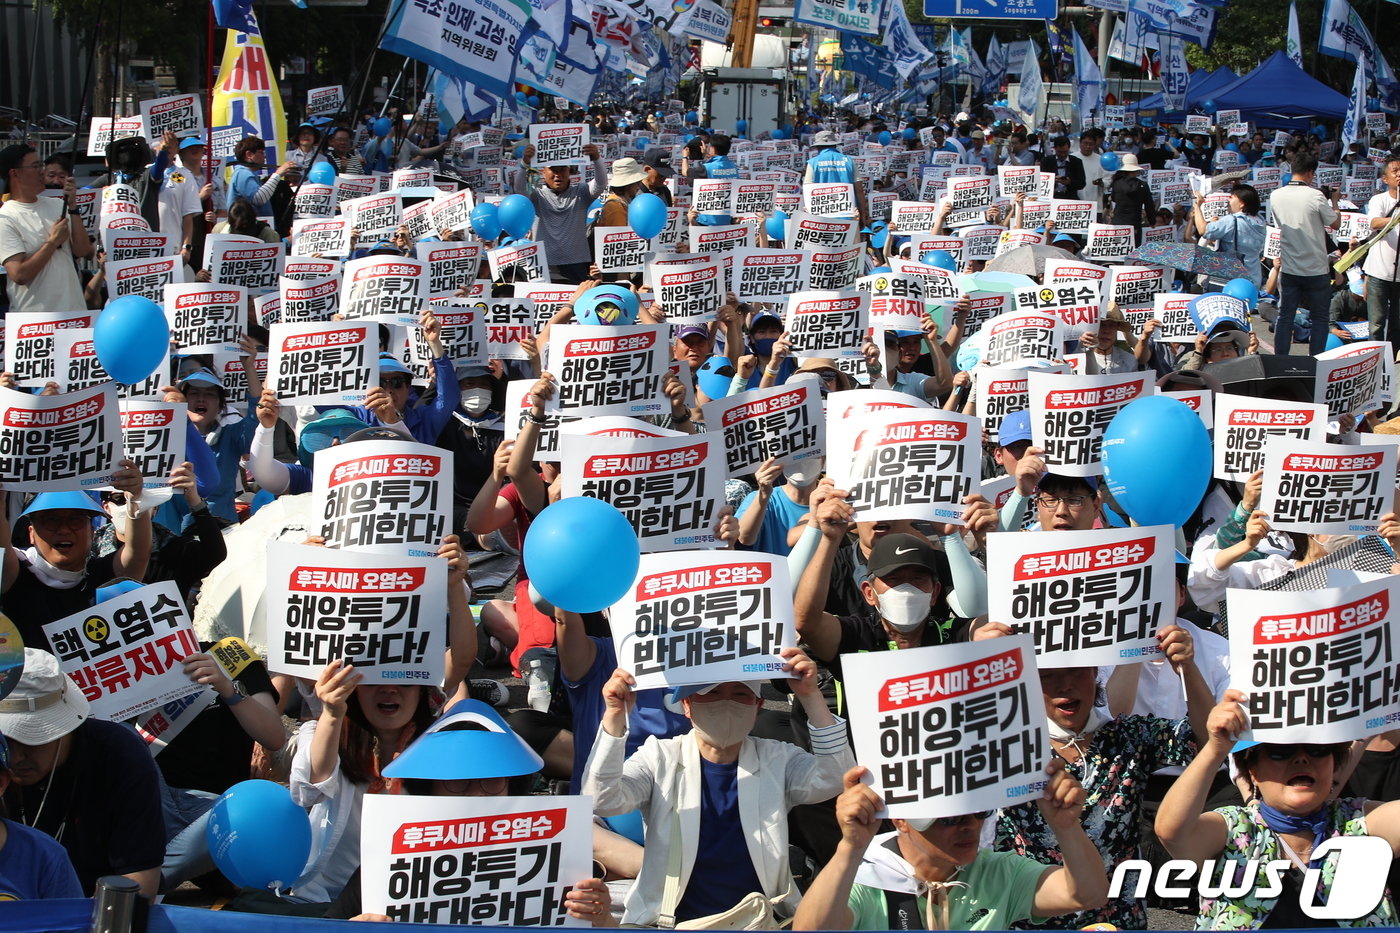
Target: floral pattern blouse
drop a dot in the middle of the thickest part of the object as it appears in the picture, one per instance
(1246, 838)
(1122, 755)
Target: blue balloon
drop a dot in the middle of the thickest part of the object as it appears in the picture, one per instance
(517, 214)
(910, 133)
(382, 126)
(581, 554)
(885, 138)
(940, 258)
(777, 134)
(131, 337)
(486, 221)
(1232, 147)
(742, 126)
(520, 96)
(532, 100)
(646, 215)
(258, 837)
(1110, 162)
(1244, 290)
(1157, 460)
(1333, 342)
(692, 117)
(321, 173)
(775, 226)
(1209, 107)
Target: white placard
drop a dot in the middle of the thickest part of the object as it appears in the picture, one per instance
(383, 497)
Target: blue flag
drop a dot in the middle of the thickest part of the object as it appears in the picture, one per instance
(235, 14)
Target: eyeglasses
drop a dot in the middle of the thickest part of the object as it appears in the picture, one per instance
(475, 787)
(948, 821)
(828, 376)
(1285, 752)
(55, 520)
(394, 382)
(1053, 502)
(116, 498)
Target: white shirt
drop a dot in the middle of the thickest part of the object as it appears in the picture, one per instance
(1302, 214)
(23, 230)
(179, 197)
(1380, 259)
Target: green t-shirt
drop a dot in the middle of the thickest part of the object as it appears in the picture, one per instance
(1000, 891)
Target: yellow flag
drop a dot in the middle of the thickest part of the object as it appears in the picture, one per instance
(247, 94)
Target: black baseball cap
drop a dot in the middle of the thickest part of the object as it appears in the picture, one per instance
(660, 160)
(894, 551)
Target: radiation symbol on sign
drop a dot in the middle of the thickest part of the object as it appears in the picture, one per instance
(1047, 295)
(96, 630)
(882, 283)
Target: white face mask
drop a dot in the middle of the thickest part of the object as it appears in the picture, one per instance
(904, 607)
(723, 723)
(475, 401)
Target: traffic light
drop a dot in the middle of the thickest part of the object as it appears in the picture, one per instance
(766, 22)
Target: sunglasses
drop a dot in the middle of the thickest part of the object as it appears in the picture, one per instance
(394, 382)
(1285, 752)
(948, 821)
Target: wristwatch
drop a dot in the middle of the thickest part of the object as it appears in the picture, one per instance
(240, 693)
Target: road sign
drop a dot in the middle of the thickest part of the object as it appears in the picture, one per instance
(992, 9)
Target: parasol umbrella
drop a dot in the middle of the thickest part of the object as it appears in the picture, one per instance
(1190, 259)
(1029, 259)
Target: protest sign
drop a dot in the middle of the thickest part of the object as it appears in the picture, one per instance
(1214, 308)
(125, 654)
(122, 244)
(1360, 347)
(670, 488)
(507, 321)
(1108, 242)
(323, 362)
(463, 334)
(86, 202)
(375, 216)
(783, 422)
(385, 615)
(690, 291)
(1349, 385)
(159, 727)
(1172, 309)
(474, 861)
(1018, 335)
(754, 197)
(1135, 288)
(307, 268)
(325, 100)
(921, 244)
(251, 266)
(452, 212)
(1015, 179)
(1245, 425)
(1165, 233)
(387, 289)
(1000, 392)
(54, 443)
(181, 115)
(768, 274)
(1317, 665)
(940, 285)
(619, 249)
(1010, 239)
(969, 199)
(913, 216)
(229, 368)
(1086, 598)
(349, 188)
(121, 206)
(915, 465)
(144, 277)
(450, 265)
(702, 617)
(949, 729)
(828, 323)
(1327, 488)
(102, 130)
(1069, 414)
(808, 231)
(605, 370)
(834, 269)
(831, 199)
(896, 301)
(153, 437)
(206, 318)
(411, 178)
(520, 262)
(29, 342)
(383, 497)
(559, 143)
(311, 300)
(1073, 216)
(981, 241)
(76, 365)
(712, 195)
(982, 307)
(1075, 303)
(721, 239)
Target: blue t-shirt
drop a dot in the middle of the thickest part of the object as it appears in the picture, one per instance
(779, 518)
(718, 167)
(723, 871)
(649, 717)
(785, 371)
(33, 866)
(831, 166)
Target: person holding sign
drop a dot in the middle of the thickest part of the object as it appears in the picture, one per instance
(828, 165)
(423, 422)
(933, 871)
(715, 795)
(1113, 757)
(228, 435)
(562, 208)
(1290, 813)
(1240, 233)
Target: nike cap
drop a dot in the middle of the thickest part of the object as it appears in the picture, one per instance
(902, 550)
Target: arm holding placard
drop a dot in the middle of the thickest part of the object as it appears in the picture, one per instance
(1186, 831)
(268, 472)
(826, 906)
(449, 393)
(674, 390)
(1029, 471)
(729, 318)
(599, 185)
(782, 349)
(206, 467)
(1179, 649)
(1143, 351)
(614, 790)
(818, 629)
(756, 508)
(461, 627)
(941, 382)
(133, 557)
(1081, 884)
(258, 717)
(334, 687)
(1232, 531)
(949, 344)
(489, 510)
(534, 494)
(202, 548)
(10, 568)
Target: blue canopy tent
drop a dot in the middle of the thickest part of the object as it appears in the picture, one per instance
(1280, 94)
(1200, 84)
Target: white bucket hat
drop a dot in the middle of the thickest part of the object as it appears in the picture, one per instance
(45, 705)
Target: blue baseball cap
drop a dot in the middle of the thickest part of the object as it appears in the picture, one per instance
(54, 501)
(388, 363)
(189, 142)
(1014, 427)
(469, 741)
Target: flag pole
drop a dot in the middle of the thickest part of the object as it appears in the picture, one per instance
(209, 101)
